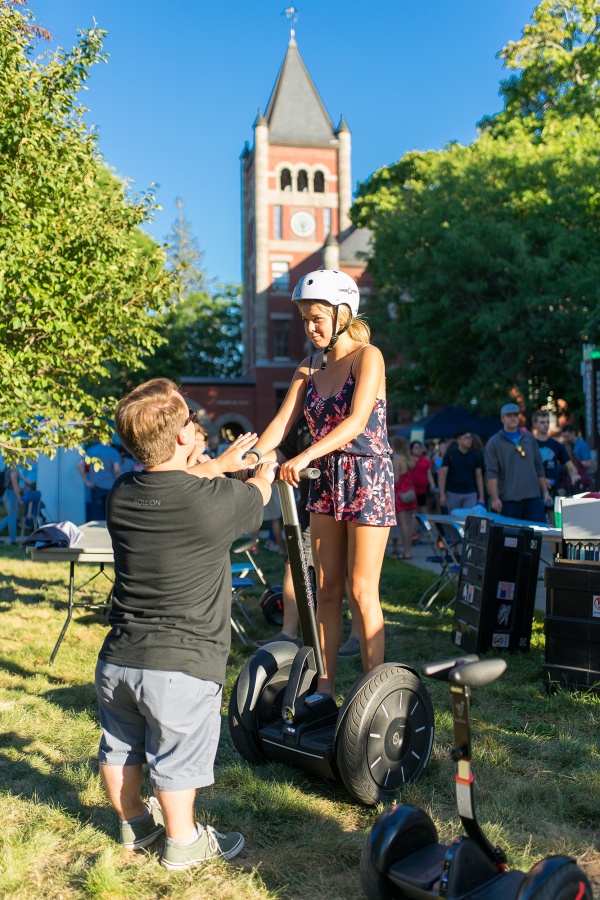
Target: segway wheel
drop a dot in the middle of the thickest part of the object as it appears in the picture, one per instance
(385, 739)
(271, 603)
(375, 885)
(257, 697)
(566, 882)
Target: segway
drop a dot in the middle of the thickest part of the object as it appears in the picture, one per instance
(271, 599)
(402, 857)
(378, 740)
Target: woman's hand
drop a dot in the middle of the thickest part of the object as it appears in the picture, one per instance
(290, 470)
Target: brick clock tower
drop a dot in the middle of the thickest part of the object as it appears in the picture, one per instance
(296, 199)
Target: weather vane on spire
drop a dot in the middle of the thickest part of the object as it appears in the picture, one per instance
(291, 14)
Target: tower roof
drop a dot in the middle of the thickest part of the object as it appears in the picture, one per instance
(295, 112)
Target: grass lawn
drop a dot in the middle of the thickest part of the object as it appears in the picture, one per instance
(536, 758)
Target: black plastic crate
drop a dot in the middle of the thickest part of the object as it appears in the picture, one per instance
(572, 625)
(495, 596)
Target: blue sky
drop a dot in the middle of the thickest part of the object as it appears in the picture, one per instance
(184, 81)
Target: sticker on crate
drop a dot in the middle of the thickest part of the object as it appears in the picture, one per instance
(483, 526)
(504, 611)
(468, 593)
(511, 541)
(458, 638)
(500, 640)
(506, 590)
(596, 607)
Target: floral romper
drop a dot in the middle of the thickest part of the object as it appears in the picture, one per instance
(357, 481)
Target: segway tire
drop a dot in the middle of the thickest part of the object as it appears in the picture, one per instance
(271, 603)
(556, 878)
(375, 885)
(254, 705)
(385, 739)
(400, 831)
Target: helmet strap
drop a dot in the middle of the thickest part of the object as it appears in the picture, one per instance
(334, 337)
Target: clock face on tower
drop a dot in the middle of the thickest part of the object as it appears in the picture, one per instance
(303, 224)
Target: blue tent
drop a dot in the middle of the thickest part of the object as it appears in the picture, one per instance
(447, 421)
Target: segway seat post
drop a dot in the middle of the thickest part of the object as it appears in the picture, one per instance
(462, 674)
(299, 567)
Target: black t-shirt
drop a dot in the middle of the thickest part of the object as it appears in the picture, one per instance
(461, 470)
(554, 456)
(171, 534)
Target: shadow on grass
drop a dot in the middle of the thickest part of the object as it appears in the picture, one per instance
(23, 779)
(17, 669)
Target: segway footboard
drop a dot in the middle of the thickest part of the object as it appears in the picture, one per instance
(308, 746)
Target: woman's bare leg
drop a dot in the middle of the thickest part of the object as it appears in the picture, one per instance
(329, 545)
(366, 549)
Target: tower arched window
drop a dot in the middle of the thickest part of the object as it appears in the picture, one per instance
(302, 180)
(319, 182)
(286, 180)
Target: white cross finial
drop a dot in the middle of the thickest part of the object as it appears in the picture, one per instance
(291, 13)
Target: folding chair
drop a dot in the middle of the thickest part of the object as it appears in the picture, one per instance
(445, 541)
(238, 586)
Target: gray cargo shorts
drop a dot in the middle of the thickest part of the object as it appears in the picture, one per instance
(169, 720)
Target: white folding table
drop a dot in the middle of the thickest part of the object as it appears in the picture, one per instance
(94, 547)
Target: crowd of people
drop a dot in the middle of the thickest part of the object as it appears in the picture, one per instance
(518, 473)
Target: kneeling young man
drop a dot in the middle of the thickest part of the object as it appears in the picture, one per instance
(161, 668)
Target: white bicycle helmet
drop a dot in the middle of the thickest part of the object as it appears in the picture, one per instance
(330, 286)
(335, 288)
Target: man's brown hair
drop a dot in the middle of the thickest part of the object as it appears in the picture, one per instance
(539, 414)
(149, 419)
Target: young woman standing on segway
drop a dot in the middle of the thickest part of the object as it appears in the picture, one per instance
(342, 391)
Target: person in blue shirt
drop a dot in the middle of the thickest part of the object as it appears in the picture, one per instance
(581, 449)
(11, 497)
(101, 480)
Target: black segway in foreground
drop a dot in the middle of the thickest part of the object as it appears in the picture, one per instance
(380, 738)
(402, 857)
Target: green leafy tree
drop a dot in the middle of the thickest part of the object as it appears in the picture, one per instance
(558, 58)
(486, 260)
(77, 281)
(203, 336)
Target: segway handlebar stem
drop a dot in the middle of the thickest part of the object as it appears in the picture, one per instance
(299, 569)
